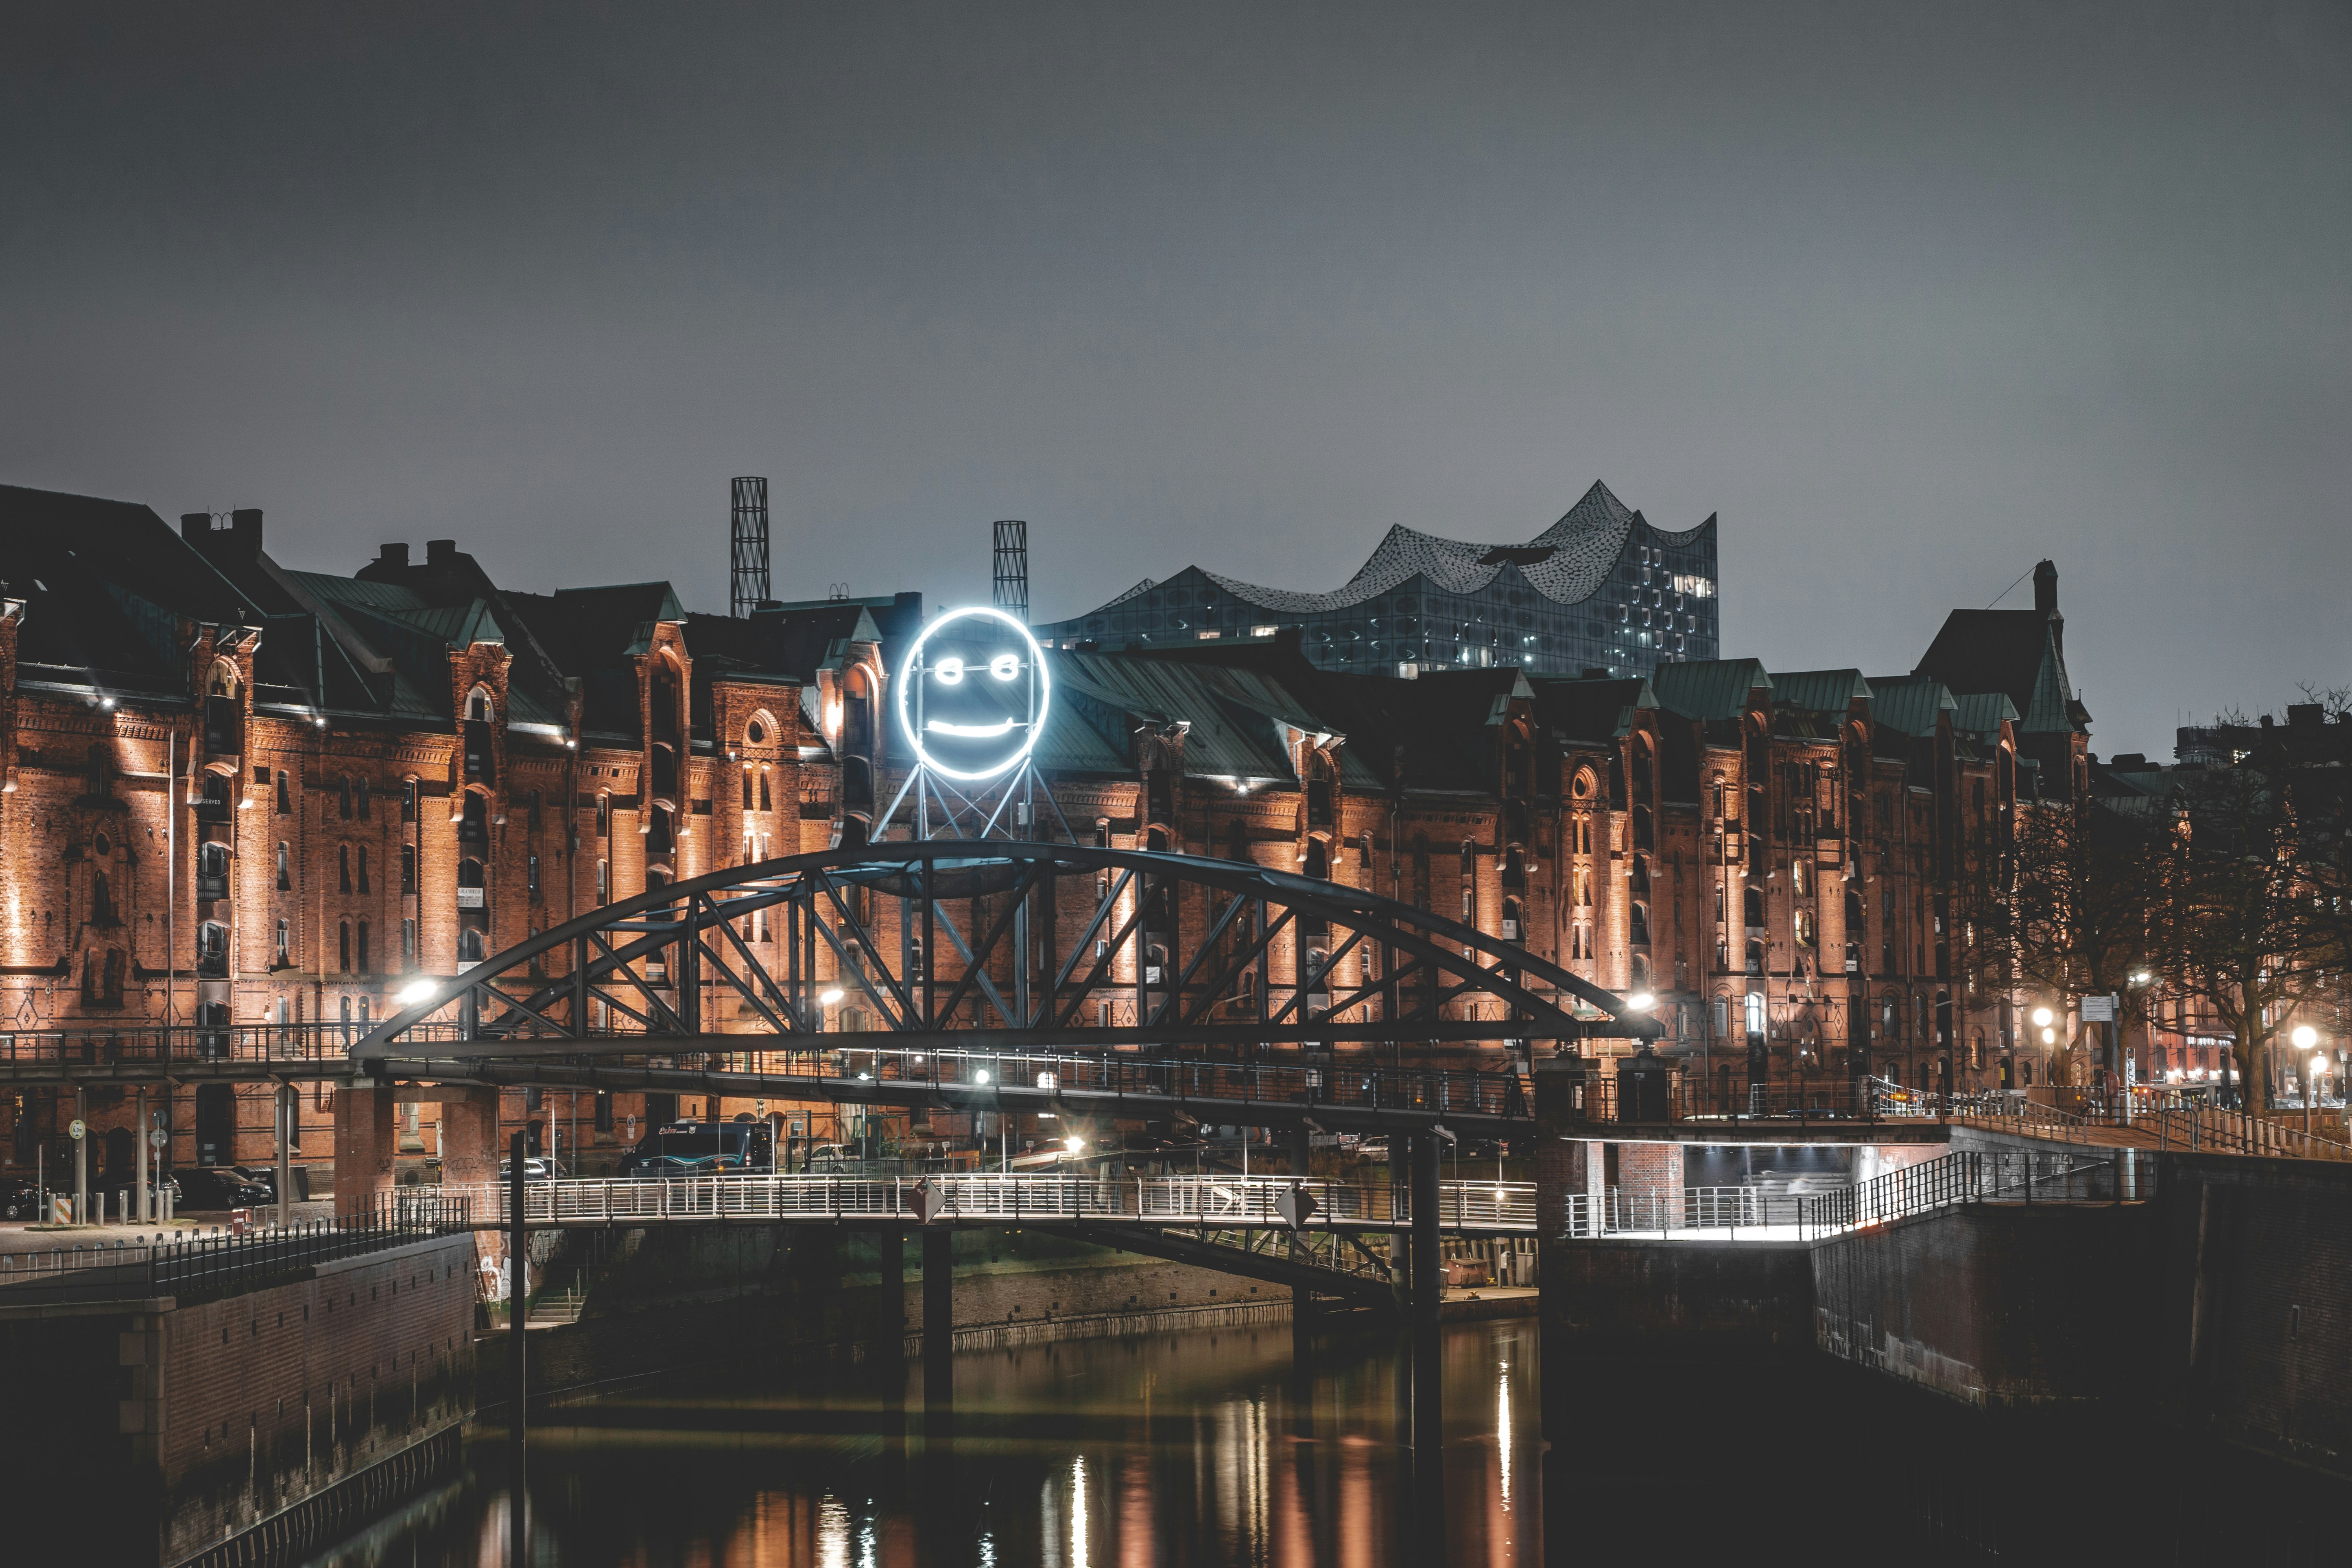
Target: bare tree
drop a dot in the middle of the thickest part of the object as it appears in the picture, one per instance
(2070, 904)
(2245, 927)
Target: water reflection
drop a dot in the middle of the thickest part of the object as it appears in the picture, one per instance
(1199, 1448)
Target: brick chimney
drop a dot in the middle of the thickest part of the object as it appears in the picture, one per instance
(2046, 588)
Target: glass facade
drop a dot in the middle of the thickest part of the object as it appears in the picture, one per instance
(1654, 600)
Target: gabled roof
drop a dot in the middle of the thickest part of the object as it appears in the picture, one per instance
(2020, 653)
(1909, 704)
(1709, 690)
(105, 583)
(1984, 712)
(1819, 690)
(1591, 708)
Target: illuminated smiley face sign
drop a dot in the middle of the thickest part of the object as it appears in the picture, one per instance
(972, 694)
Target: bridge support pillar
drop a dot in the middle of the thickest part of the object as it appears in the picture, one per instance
(469, 1136)
(1304, 1311)
(1559, 1175)
(939, 1318)
(1428, 1389)
(363, 1147)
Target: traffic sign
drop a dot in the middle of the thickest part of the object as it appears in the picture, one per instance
(158, 1137)
(76, 1130)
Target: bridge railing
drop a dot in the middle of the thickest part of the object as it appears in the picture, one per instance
(1201, 1201)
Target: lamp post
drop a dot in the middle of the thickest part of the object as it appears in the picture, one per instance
(2049, 1038)
(2306, 1038)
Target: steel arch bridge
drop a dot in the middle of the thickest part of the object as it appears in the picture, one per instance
(1006, 949)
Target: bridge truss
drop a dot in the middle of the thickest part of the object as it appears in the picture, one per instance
(905, 970)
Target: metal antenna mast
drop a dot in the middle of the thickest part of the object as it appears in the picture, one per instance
(748, 550)
(1012, 569)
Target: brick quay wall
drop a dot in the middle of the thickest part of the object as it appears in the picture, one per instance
(167, 1430)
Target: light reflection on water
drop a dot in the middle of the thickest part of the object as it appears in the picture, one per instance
(1192, 1448)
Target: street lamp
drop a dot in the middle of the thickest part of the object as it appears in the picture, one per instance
(2305, 1037)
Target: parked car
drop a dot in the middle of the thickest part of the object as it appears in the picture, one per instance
(19, 1200)
(535, 1168)
(220, 1187)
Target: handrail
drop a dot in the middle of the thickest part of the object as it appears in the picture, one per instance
(1174, 1202)
(210, 1266)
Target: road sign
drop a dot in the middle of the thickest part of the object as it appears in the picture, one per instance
(2099, 1009)
(159, 1136)
(927, 1202)
(1296, 1205)
(75, 1131)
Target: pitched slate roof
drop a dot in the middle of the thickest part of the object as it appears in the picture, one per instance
(104, 584)
(2020, 653)
(1591, 708)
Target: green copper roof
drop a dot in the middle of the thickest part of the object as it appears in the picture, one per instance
(1709, 690)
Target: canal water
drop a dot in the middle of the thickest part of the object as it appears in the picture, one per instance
(1199, 1447)
(1205, 1448)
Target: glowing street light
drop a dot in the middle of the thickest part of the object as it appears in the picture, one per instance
(2305, 1037)
(829, 997)
(418, 991)
(2041, 1017)
(1641, 1001)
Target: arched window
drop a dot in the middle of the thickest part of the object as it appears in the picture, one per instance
(1641, 925)
(1755, 956)
(469, 946)
(1804, 928)
(284, 868)
(1754, 900)
(765, 799)
(363, 869)
(366, 966)
(1641, 973)
(1512, 928)
(343, 797)
(343, 867)
(362, 790)
(479, 708)
(346, 949)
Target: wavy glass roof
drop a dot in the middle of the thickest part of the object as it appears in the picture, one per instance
(1567, 563)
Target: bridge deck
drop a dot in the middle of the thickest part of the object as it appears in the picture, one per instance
(1196, 1202)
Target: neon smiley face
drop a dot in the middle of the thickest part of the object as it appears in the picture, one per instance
(973, 693)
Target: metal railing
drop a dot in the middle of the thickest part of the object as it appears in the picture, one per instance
(209, 1266)
(1298, 1078)
(2203, 1128)
(1196, 1201)
(325, 1047)
(1967, 1176)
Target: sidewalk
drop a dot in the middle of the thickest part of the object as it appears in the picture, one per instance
(18, 1236)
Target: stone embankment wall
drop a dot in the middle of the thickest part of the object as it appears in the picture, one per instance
(2255, 1318)
(1996, 1303)
(2223, 1303)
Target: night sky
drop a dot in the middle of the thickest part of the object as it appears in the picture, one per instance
(1910, 296)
